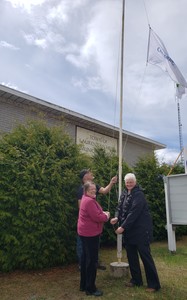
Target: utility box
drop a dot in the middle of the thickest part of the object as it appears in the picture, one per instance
(176, 205)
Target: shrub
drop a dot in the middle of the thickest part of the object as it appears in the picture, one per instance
(37, 197)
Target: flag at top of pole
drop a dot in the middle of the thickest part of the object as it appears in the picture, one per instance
(158, 55)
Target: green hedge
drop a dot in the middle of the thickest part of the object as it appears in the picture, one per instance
(38, 212)
(39, 176)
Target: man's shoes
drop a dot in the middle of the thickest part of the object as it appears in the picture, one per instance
(151, 290)
(97, 293)
(101, 267)
(129, 284)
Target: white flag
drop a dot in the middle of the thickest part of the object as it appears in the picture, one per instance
(158, 55)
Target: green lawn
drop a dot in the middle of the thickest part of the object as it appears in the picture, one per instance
(63, 283)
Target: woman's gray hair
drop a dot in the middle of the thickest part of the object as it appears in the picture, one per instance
(130, 176)
(87, 185)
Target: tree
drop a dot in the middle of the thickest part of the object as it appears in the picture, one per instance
(150, 174)
(39, 168)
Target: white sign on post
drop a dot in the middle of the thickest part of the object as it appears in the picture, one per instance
(176, 205)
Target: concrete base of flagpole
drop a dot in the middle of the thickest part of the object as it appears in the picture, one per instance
(119, 269)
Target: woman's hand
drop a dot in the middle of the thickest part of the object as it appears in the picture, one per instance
(113, 221)
(107, 213)
(119, 230)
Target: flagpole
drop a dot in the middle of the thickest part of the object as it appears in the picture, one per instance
(121, 102)
(119, 236)
(148, 43)
(180, 130)
(119, 268)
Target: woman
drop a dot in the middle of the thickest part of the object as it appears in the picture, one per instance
(89, 227)
(135, 224)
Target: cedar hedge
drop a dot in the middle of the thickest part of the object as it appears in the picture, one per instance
(39, 169)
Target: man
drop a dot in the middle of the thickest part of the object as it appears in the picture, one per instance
(86, 175)
(135, 223)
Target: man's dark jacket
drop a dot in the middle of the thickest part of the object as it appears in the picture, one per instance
(133, 215)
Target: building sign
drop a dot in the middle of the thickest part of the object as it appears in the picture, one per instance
(91, 139)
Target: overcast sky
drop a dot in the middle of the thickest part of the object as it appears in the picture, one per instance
(67, 52)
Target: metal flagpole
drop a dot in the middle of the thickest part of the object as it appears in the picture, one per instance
(180, 131)
(119, 236)
(120, 268)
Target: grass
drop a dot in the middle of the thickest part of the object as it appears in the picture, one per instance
(63, 283)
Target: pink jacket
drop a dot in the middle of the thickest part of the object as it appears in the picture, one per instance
(91, 217)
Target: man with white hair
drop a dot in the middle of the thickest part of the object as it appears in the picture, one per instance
(135, 224)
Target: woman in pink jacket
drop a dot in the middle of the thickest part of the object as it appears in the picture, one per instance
(89, 227)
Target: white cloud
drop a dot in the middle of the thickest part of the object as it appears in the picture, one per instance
(42, 43)
(12, 86)
(102, 45)
(77, 61)
(59, 12)
(4, 44)
(169, 156)
(90, 83)
(26, 4)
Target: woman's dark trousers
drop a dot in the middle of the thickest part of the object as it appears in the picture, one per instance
(149, 265)
(89, 260)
